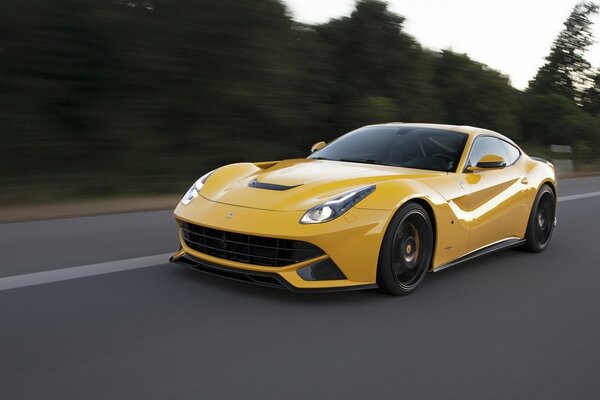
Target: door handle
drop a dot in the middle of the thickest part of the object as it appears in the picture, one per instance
(524, 181)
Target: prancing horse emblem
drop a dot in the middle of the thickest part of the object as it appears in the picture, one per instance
(231, 214)
(223, 241)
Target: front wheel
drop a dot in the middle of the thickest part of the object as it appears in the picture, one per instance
(541, 220)
(406, 251)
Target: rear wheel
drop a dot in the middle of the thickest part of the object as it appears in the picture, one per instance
(541, 220)
(406, 251)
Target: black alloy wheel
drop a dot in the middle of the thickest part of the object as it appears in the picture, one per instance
(541, 220)
(406, 251)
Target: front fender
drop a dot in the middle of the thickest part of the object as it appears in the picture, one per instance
(450, 222)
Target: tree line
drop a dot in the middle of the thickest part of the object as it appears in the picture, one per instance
(125, 96)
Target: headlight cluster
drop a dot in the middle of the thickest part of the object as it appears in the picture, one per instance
(194, 190)
(336, 207)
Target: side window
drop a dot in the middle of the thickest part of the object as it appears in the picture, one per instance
(512, 152)
(486, 145)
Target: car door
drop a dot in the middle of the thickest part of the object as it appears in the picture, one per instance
(496, 200)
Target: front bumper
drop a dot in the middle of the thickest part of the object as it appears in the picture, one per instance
(351, 241)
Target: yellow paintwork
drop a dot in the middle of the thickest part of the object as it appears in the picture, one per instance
(470, 210)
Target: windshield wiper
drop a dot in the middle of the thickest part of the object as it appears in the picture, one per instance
(366, 161)
(361, 160)
(318, 158)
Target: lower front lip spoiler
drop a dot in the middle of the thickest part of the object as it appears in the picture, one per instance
(257, 278)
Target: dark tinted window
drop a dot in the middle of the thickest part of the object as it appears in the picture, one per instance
(512, 152)
(403, 146)
(486, 145)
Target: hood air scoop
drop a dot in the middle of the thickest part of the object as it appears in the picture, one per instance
(269, 186)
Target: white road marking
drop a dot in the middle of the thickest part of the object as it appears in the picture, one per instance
(63, 274)
(578, 196)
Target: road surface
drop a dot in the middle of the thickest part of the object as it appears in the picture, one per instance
(509, 325)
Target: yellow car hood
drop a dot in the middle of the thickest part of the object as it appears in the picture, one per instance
(300, 184)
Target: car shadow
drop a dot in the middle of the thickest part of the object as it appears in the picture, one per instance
(205, 281)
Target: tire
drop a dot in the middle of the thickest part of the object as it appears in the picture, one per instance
(406, 251)
(541, 220)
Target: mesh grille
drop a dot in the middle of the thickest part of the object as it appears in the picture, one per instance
(249, 249)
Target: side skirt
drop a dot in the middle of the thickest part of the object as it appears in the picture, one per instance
(502, 245)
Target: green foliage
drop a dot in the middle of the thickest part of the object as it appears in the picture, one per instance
(591, 97)
(472, 94)
(566, 71)
(123, 96)
(376, 64)
(542, 114)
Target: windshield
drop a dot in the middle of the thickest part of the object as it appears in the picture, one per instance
(400, 146)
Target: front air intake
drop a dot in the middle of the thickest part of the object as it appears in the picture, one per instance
(248, 249)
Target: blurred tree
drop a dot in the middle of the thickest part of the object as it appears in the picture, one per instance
(376, 64)
(553, 119)
(472, 94)
(143, 96)
(566, 71)
(57, 67)
(591, 96)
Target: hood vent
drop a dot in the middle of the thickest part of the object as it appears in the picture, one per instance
(269, 186)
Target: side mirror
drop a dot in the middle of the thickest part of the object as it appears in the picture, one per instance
(489, 161)
(317, 146)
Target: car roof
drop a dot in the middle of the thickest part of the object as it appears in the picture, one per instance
(469, 130)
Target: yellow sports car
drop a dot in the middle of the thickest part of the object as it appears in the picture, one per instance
(378, 207)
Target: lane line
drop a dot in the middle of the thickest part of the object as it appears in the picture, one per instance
(63, 274)
(578, 196)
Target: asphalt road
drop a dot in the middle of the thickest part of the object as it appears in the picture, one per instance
(510, 325)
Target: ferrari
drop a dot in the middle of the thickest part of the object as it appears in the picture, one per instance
(380, 206)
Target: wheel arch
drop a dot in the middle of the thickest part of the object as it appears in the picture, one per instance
(429, 209)
(550, 183)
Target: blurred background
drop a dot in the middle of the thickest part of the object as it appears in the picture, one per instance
(101, 99)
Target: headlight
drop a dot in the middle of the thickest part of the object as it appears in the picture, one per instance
(336, 207)
(194, 190)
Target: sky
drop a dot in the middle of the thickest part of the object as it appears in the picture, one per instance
(511, 36)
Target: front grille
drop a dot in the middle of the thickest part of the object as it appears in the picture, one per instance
(249, 249)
